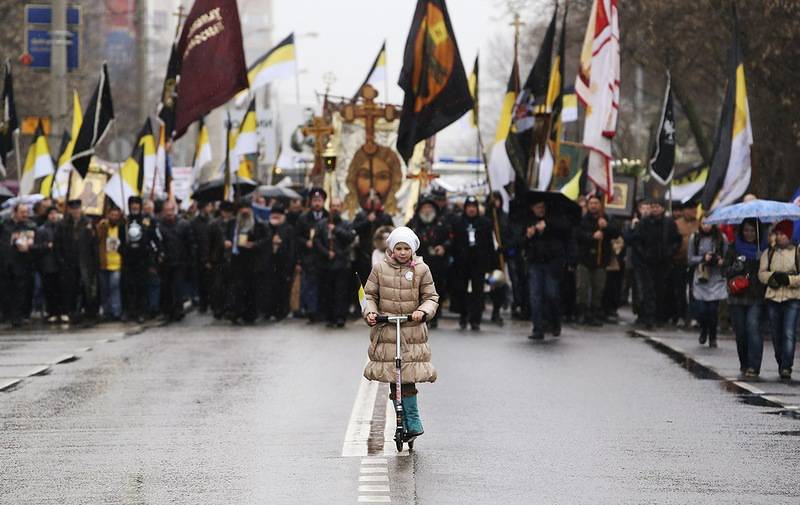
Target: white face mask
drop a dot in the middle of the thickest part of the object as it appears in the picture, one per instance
(427, 217)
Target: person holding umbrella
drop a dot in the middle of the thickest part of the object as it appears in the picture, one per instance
(746, 294)
(780, 270)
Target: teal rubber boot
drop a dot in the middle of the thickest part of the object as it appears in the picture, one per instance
(411, 415)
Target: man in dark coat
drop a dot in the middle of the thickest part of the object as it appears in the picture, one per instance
(219, 258)
(654, 240)
(434, 245)
(247, 263)
(473, 257)
(594, 235)
(48, 265)
(203, 275)
(546, 238)
(76, 249)
(307, 260)
(19, 238)
(175, 235)
(280, 262)
(333, 239)
(139, 253)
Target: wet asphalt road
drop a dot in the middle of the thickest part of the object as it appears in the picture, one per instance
(205, 413)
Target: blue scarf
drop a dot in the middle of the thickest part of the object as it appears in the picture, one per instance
(750, 250)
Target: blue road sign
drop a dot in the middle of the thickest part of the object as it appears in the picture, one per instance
(37, 35)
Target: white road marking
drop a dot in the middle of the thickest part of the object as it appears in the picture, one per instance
(373, 489)
(358, 428)
(373, 478)
(374, 499)
(374, 469)
(374, 461)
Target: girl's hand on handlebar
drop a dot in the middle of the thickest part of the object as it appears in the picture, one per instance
(372, 319)
(417, 316)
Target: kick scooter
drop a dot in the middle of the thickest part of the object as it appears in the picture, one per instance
(400, 432)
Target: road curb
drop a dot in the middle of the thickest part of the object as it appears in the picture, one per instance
(701, 369)
(9, 384)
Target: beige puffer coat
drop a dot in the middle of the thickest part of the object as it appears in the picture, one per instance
(394, 289)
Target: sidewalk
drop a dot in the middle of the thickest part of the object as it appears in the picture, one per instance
(36, 348)
(723, 364)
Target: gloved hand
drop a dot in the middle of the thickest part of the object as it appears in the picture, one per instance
(782, 278)
(773, 281)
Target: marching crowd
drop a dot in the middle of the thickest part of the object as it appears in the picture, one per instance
(279, 258)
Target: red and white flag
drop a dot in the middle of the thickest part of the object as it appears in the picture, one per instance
(597, 87)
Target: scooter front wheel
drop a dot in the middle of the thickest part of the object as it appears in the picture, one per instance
(399, 445)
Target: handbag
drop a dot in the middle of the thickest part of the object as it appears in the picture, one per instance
(738, 285)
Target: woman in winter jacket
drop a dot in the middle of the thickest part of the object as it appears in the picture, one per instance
(746, 293)
(780, 271)
(706, 254)
(401, 284)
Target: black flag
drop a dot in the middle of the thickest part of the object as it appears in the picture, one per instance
(9, 123)
(433, 77)
(663, 159)
(169, 92)
(97, 119)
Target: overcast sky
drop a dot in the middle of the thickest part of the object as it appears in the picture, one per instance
(347, 34)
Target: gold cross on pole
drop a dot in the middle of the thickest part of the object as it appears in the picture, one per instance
(370, 112)
(180, 15)
(320, 130)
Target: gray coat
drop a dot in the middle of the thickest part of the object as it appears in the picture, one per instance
(715, 288)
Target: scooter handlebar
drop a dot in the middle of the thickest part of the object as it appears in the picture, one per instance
(403, 318)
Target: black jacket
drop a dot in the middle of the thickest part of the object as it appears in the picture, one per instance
(176, 242)
(281, 259)
(76, 245)
(473, 245)
(249, 260)
(343, 237)
(18, 261)
(305, 225)
(549, 245)
(201, 230)
(141, 247)
(591, 252)
(45, 241)
(436, 233)
(654, 241)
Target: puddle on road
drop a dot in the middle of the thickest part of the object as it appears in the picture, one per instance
(791, 433)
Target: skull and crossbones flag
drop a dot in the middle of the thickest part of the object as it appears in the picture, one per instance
(663, 158)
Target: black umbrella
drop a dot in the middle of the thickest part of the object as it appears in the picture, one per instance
(278, 192)
(215, 190)
(556, 202)
(5, 193)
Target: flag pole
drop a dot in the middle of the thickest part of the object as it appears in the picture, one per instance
(496, 230)
(385, 72)
(17, 156)
(119, 173)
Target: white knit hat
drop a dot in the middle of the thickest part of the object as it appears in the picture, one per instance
(405, 235)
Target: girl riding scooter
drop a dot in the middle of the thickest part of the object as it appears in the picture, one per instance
(401, 284)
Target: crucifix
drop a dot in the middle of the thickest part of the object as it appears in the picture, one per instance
(425, 173)
(370, 112)
(320, 129)
(180, 15)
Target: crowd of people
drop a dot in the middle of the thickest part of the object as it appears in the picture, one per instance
(263, 259)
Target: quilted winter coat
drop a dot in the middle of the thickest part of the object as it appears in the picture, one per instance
(395, 289)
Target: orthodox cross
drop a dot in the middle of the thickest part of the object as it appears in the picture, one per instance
(320, 129)
(370, 112)
(180, 15)
(425, 173)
